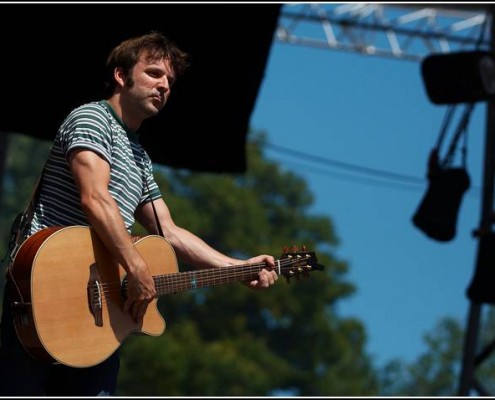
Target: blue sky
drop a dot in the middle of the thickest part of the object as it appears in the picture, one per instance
(374, 113)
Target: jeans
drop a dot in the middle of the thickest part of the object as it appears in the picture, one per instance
(22, 375)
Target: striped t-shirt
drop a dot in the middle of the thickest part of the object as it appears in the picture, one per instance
(96, 127)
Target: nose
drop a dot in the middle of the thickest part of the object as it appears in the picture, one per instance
(163, 85)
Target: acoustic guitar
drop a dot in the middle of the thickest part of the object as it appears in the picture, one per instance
(68, 292)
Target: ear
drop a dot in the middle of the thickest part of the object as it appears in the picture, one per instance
(119, 76)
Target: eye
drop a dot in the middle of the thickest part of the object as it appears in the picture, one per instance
(154, 74)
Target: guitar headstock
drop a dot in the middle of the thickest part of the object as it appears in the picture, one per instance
(297, 262)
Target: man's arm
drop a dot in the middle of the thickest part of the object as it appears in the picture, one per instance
(193, 250)
(92, 176)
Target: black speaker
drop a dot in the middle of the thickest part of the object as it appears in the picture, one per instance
(437, 213)
(462, 77)
(481, 289)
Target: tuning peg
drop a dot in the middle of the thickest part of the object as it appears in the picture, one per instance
(303, 247)
(294, 248)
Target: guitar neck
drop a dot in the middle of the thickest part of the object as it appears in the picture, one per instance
(292, 264)
(183, 281)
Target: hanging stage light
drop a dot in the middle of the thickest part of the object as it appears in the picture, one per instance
(463, 77)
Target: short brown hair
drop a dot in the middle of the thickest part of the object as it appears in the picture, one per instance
(127, 53)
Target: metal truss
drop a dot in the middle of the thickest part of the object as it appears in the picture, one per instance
(401, 31)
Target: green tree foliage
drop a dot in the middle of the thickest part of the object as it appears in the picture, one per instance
(23, 165)
(434, 373)
(230, 340)
(233, 341)
(437, 371)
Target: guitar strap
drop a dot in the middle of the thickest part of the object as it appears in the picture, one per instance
(17, 231)
(158, 226)
(21, 221)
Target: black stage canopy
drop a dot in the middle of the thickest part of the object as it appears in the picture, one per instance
(52, 58)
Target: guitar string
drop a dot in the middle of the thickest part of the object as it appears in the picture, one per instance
(163, 281)
(246, 269)
(219, 273)
(184, 282)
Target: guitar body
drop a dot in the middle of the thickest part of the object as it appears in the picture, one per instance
(68, 293)
(54, 310)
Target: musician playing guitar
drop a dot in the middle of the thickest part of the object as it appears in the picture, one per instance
(98, 175)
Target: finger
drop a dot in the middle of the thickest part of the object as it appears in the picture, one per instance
(263, 281)
(128, 305)
(139, 310)
(255, 284)
(269, 278)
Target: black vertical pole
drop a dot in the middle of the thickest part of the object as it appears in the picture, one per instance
(469, 355)
(467, 378)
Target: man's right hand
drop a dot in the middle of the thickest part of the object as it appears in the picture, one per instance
(140, 292)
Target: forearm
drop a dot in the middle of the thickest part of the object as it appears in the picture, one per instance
(189, 248)
(195, 251)
(104, 217)
(92, 175)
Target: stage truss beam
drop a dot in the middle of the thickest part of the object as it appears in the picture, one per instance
(386, 30)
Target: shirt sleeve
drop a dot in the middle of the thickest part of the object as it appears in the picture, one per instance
(87, 127)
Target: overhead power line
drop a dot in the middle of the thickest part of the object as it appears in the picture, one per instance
(368, 175)
(348, 166)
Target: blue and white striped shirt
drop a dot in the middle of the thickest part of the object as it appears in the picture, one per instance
(96, 127)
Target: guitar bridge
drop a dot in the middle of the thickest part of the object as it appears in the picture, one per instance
(95, 299)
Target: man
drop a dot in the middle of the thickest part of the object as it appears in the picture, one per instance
(98, 175)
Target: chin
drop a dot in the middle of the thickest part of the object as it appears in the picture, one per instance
(151, 111)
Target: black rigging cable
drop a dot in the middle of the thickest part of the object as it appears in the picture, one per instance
(406, 181)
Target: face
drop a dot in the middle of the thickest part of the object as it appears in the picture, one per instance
(147, 88)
